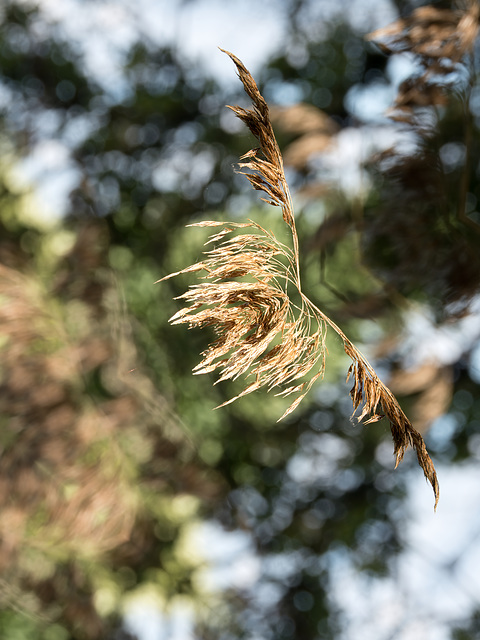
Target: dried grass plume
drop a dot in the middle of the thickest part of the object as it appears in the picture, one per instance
(250, 294)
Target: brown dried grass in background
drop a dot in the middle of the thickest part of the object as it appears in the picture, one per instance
(246, 298)
(440, 39)
(437, 239)
(70, 454)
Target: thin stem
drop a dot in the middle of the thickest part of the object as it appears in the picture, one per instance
(358, 354)
(291, 224)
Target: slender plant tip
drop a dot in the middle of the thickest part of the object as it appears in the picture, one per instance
(244, 295)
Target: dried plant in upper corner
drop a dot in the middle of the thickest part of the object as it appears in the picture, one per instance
(246, 297)
(419, 183)
(440, 39)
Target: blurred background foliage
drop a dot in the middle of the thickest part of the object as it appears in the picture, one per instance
(111, 455)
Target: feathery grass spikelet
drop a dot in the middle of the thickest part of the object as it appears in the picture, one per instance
(244, 296)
